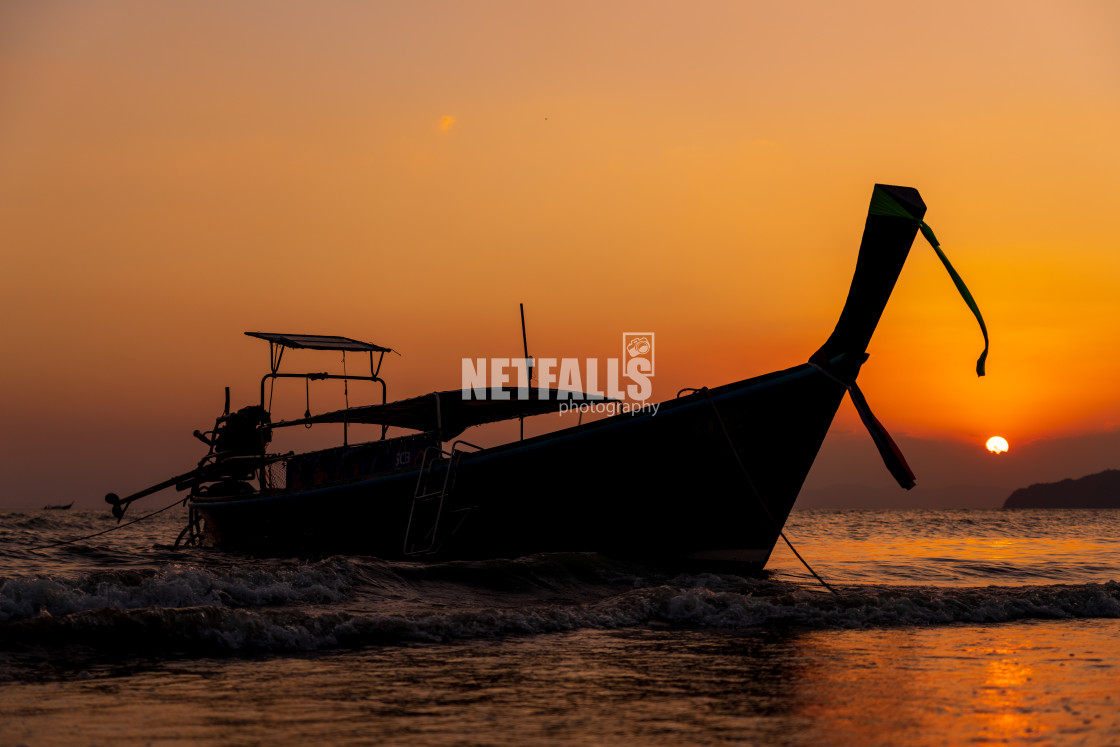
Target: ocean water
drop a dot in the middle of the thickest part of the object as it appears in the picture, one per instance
(948, 627)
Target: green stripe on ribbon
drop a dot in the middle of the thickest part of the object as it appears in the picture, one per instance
(883, 204)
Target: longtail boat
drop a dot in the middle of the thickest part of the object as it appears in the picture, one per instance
(708, 476)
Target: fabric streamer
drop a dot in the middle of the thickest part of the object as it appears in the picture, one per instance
(888, 449)
(883, 204)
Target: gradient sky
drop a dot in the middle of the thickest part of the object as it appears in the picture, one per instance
(174, 174)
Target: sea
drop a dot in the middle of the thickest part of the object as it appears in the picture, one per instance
(953, 627)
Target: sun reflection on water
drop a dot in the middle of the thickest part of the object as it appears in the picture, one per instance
(958, 685)
(1001, 703)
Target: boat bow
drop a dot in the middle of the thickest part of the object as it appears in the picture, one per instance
(895, 216)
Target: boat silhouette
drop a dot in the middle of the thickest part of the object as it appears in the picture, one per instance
(709, 477)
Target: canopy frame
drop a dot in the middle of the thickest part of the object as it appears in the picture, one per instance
(278, 343)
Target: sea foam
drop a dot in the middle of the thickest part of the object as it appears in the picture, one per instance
(248, 610)
(173, 586)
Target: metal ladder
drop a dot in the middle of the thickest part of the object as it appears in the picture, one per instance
(431, 500)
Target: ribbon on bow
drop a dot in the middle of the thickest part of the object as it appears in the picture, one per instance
(883, 204)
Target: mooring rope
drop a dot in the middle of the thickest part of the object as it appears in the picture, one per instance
(757, 495)
(177, 502)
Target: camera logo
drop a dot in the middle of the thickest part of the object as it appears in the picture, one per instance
(638, 345)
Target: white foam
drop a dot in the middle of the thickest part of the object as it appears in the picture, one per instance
(291, 606)
(174, 586)
(221, 628)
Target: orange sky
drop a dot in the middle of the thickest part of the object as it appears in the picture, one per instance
(172, 175)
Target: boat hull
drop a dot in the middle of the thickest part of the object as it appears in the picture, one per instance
(711, 476)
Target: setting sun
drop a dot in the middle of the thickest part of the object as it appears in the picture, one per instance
(997, 444)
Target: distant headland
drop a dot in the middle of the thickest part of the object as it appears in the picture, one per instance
(1100, 490)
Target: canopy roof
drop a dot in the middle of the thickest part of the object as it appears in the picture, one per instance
(450, 414)
(319, 342)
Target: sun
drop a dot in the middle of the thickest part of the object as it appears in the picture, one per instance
(997, 444)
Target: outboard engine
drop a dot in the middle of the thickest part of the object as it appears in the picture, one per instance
(245, 433)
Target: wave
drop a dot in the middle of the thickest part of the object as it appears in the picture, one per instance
(347, 603)
(174, 586)
(354, 582)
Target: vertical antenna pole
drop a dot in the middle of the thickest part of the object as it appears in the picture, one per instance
(346, 396)
(525, 345)
(528, 361)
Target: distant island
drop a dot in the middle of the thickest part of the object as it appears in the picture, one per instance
(1101, 490)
